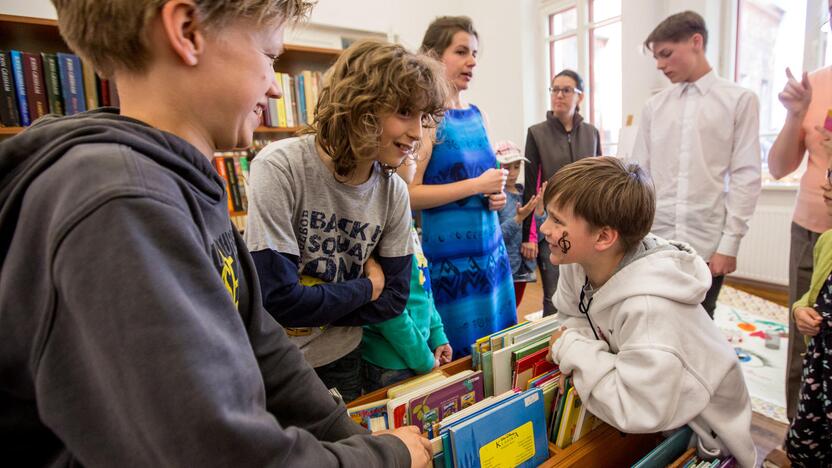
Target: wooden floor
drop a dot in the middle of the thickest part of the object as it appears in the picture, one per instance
(767, 433)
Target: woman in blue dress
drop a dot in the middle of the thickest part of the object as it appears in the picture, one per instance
(459, 189)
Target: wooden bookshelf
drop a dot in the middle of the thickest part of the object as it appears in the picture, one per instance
(603, 446)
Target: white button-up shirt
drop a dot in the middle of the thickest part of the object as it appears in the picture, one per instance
(700, 143)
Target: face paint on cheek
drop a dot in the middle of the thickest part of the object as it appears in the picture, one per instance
(564, 243)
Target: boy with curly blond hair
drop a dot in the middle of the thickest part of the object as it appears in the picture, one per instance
(328, 225)
(132, 330)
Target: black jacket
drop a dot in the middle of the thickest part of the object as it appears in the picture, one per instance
(549, 147)
(132, 331)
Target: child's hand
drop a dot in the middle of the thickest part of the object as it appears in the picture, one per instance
(524, 211)
(492, 181)
(540, 209)
(496, 201)
(374, 273)
(807, 320)
(528, 250)
(555, 336)
(443, 353)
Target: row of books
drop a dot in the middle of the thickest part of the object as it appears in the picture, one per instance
(234, 169)
(300, 96)
(33, 85)
(466, 428)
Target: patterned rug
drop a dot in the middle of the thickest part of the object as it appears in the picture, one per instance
(758, 330)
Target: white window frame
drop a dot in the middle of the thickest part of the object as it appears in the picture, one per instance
(583, 33)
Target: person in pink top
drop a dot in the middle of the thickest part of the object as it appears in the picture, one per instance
(807, 102)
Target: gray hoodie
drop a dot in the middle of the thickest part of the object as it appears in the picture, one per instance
(131, 326)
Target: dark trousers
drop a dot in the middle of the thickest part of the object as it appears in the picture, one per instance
(713, 293)
(549, 275)
(519, 289)
(800, 278)
(374, 377)
(344, 374)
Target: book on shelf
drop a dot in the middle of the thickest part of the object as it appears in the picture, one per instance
(20, 88)
(35, 86)
(8, 105)
(297, 106)
(53, 83)
(72, 83)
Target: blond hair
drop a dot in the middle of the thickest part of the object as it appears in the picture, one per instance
(606, 191)
(371, 79)
(111, 34)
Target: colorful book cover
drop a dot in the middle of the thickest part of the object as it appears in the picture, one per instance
(72, 83)
(444, 401)
(219, 163)
(524, 367)
(510, 434)
(53, 83)
(280, 103)
(364, 414)
(8, 107)
(558, 408)
(35, 86)
(20, 88)
(309, 95)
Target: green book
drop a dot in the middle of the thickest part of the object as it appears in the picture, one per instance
(488, 373)
(53, 84)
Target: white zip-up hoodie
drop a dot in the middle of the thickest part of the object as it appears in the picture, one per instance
(659, 361)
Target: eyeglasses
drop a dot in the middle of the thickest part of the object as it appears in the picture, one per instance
(565, 91)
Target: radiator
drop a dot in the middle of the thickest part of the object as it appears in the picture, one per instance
(764, 251)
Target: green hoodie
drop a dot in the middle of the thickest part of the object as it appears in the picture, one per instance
(408, 341)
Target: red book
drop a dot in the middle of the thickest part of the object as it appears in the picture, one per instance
(524, 367)
(35, 86)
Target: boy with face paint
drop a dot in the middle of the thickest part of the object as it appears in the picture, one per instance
(642, 354)
(699, 141)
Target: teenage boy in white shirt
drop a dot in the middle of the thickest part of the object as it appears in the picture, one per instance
(699, 140)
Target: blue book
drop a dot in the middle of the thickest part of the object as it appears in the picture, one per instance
(20, 88)
(669, 450)
(72, 83)
(512, 433)
(302, 99)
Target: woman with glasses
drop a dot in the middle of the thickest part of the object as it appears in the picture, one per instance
(459, 188)
(562, 138)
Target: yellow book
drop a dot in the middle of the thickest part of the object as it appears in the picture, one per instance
(571, 411)
(281, 103)
(309, 96)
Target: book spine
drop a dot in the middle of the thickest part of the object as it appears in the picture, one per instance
(290, 98)
(241, 182)
(35, 86)
(72, 89)
(90, 90)
(8, 108)
(280, 104)
(53, 83)
(233, 184)
(20, 88)
(273, 113)
(302, 99)
(309, 96)
(219, 163)
(104, 92)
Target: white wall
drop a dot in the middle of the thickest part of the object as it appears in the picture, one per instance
(35, 8)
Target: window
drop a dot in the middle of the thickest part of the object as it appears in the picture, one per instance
(770, 36)
(585, 36)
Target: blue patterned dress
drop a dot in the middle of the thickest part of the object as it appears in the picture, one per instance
(469, 268)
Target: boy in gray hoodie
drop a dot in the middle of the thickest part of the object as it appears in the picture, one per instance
(643, 354)
(132, 330)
